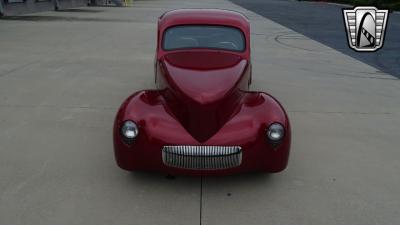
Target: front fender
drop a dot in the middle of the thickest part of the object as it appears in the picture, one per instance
(159, 127)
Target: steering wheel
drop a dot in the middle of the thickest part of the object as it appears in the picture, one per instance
(227, 44)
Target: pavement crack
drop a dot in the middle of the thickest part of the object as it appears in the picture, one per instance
(26, 181)
(201, 199)
(341, 112)
(56, 107)
(364, 77)
(291, 36)
(367, 75)
(17, 68)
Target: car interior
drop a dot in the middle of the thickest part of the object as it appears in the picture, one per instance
(201, 36)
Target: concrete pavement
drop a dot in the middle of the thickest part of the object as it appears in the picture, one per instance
(323, 22)
(59, 92)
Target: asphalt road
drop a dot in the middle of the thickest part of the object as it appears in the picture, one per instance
(64, 74)
(323, 22)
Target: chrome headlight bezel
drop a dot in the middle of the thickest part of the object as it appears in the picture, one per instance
(129, 130)
(275, 133)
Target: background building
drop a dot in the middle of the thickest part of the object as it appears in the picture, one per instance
(16, 7)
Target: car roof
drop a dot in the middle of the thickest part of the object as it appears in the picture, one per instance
(204, 16)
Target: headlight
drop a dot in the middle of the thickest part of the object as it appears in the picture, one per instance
(275, 132)
(129, 130)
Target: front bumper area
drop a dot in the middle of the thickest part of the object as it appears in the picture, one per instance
(239, 146)
(202, 157)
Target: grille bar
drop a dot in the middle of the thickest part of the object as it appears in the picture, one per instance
(202, 157)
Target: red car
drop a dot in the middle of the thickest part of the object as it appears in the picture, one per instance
(201, 118)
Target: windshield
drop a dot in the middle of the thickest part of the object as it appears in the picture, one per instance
(204, 36)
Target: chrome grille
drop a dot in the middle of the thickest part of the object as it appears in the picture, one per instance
(202, 157)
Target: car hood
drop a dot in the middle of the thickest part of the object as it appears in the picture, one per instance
(203, 89)
(203, 77)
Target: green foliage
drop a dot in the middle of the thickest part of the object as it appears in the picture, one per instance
(381, 4)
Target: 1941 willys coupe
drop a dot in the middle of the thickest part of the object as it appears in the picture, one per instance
(202, 119)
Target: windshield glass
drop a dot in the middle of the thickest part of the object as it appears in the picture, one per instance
(204, 36)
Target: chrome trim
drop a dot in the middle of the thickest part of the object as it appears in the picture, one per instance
(202, 157)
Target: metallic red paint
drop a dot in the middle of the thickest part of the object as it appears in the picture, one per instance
(202, 98)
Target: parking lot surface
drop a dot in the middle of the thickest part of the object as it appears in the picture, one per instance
(323, 21)
(64, 74)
